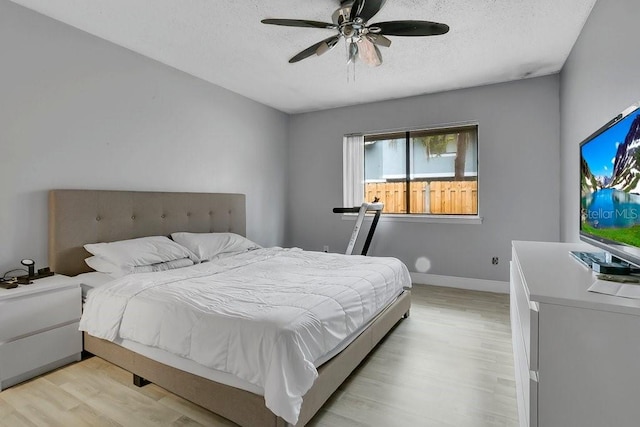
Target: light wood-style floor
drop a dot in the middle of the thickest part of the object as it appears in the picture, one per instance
(449, 364)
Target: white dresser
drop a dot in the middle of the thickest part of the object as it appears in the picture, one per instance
(576, 353)
(39, 328)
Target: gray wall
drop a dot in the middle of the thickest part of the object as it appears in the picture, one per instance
(79, 112)
(599, 80)
(519, 170)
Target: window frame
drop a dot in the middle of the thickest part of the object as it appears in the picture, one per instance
(350, 182)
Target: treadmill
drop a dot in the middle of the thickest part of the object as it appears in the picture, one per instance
(376, 208)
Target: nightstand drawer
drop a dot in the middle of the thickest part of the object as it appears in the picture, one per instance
(27, 314)
(29, 356)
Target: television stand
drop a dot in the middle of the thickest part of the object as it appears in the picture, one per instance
(575, 352)
(602, 262)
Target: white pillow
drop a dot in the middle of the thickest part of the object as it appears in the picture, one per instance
(101, 265)
(126, 254)
(208, 246)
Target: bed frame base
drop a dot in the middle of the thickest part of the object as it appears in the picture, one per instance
(243, 407)
(138, 381)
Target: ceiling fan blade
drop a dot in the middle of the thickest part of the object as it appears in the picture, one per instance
(366, 9)
(369, 53)
(312, 50)
(379, 39)
(356, 8)
(353, 52)
(409, 28)
(299, 23)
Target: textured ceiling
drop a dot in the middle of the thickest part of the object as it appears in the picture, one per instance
(224, 43)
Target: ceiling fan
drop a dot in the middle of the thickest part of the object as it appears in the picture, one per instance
(351, 20)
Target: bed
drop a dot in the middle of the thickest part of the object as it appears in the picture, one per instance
(78, 217)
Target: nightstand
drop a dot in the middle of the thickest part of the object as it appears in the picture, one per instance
(39, 328)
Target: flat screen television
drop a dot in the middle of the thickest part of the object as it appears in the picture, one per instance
(610, 187)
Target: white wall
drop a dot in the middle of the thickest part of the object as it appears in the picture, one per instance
(598, 81)
(519, 173)
(79, 112)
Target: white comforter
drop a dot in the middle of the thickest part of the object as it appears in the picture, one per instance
(264, 315)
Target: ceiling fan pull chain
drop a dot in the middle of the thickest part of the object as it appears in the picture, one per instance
(346, 54)
(351, 71)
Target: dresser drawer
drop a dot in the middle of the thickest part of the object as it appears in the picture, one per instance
(28, 314)
(520, 362)
(21, 357)
(527, 313)
(533, 399)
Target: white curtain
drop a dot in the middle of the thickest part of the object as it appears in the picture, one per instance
(353, 170)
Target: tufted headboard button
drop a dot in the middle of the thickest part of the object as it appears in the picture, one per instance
(163, 216)
(98, 218)
(133, 217)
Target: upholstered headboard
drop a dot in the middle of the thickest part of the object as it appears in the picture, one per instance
(77, 217)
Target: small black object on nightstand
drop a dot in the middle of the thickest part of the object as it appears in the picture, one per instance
(8, 283)
(31, 265)
(23, 280)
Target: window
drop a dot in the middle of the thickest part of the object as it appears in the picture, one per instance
(424, 172)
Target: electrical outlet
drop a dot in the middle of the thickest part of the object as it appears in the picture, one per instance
(325, 248)
(494, 260)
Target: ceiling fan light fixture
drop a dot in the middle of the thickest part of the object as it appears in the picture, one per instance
(342, 14)
(348, 31)
(369, 53)
(378, 39)
(352, 51)
(326, 46)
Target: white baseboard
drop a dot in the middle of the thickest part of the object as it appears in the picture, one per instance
(460, 282)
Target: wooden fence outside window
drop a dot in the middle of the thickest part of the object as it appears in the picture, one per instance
(435, 197)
